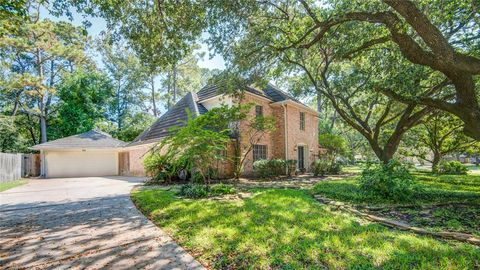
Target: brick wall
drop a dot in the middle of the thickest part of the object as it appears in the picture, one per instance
(307, 137)
(266, 139)
(136, 156)
(275, 141)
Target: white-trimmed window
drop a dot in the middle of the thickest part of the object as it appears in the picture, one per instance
(259, 152)
(302, 121)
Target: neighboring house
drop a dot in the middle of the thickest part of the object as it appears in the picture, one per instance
(296, 136)
(93, 153)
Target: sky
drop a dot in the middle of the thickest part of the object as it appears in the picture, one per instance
(99, 25)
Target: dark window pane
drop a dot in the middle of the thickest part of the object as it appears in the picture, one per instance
(258, 110)
(259, 152)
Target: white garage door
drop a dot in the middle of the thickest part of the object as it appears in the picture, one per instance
(79, 164)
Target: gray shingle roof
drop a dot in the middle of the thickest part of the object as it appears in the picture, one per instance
(270, 92)
(89, 139)
(176, 116)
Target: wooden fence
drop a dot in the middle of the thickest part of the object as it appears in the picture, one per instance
(16, 166)
(30, 165)
(10, 167)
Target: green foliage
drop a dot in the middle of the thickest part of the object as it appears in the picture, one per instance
(392, 181)
(291, 167)
(221, 189)
(199, 144)
(335, 145)
(161, 168)
(323, 166)
(196, 191)
(193, 191)
(288, 229)
(137, 123)
(452, 167)
(84, 98)
(269, 168)
(35, 59)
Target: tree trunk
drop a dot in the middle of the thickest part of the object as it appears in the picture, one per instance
(384, 154)
(43, 129)
(436, 160)
(174, 80)
(319, 102)
(119, 115)
(154, 104)
(334, 119)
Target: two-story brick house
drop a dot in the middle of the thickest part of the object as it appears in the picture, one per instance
(296, 135)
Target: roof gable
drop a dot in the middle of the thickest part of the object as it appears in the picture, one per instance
(89, 139)
(175, 116)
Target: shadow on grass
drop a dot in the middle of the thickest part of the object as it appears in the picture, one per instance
(287, 229)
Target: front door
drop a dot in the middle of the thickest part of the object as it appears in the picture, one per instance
(301, 158)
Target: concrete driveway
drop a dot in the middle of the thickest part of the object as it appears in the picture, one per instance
(82, 223)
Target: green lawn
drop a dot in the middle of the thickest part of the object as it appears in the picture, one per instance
(432, 189)
(288, 229)
(12, 184)
(459, 196)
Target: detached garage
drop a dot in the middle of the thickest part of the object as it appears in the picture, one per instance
(93, 153)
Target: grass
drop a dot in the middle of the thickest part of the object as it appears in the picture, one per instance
(12, 184)
(352, 169)
(431, 189)
(459, 196)
(288, 229)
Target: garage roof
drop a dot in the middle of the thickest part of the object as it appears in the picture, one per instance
(89, 139)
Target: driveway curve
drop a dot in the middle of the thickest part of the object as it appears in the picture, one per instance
(82, 223)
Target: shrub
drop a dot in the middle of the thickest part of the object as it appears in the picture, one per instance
(323, 166)
(335, 168)
(193, 191)
(452, 167)
(196, 191)
(277, 166)
(291, 167)
(269, 168)
(221, 189)
(320, 167)
(160, 168)
(389, 181)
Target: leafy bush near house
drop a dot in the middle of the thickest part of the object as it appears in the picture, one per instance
(325, 166)
(196, 191)
(161, 168)
(193, 191)
(320, 167)
(291, 167)
(390, 181)
(221, 189)
(269, 168)
(452, 167)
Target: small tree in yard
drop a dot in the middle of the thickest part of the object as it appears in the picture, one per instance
(254, 128)
(199, 144)
(334, 144)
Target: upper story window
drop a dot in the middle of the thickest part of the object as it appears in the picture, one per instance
(259, 111)
(259, 152)
(302, 121)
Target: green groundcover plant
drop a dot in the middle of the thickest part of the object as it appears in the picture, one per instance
(391, 181)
